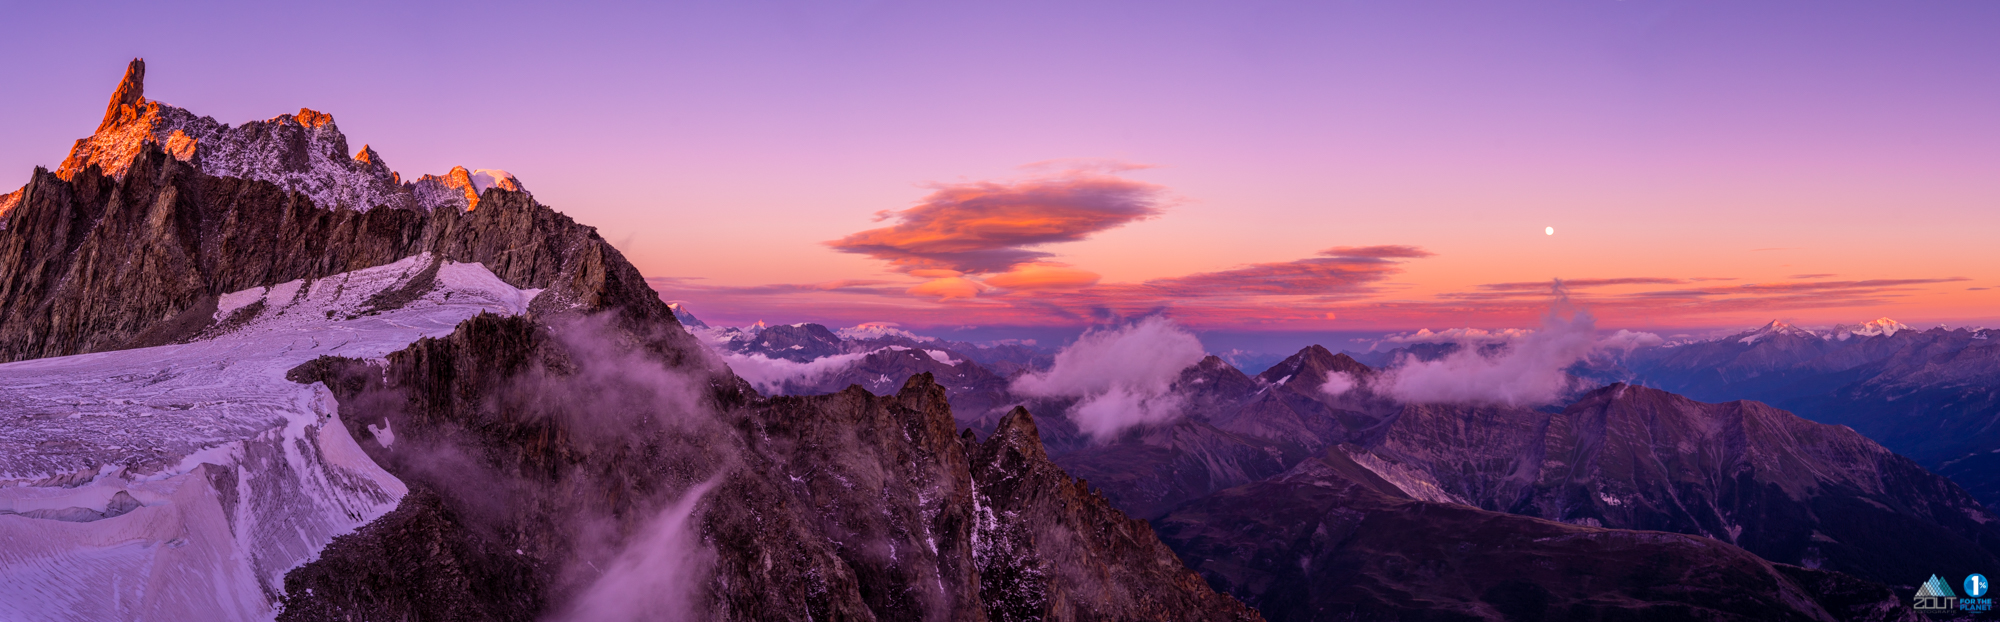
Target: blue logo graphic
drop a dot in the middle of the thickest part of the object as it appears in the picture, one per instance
(1976, 585)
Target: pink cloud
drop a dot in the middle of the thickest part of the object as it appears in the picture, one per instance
(986, 227)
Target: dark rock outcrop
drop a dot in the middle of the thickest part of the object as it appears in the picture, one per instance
(1055, 550)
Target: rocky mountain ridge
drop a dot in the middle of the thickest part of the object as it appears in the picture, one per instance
(136, 254)
(304, 153)
(1928, 394)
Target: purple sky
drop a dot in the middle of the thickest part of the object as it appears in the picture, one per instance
(1784, 145)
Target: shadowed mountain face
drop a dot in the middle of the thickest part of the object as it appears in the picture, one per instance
(1777, 485)
(1932, 395)
(1332, 540)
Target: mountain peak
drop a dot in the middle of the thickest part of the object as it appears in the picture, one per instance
(371, 160)
(686, 318)
(302, 152)
(1312, 363)
(130, 94)
(312, 118)
(1017, 431)
(1774, 329)
(484, 178)
(1880, 327)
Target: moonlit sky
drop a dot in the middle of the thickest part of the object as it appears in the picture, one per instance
(1292, 167)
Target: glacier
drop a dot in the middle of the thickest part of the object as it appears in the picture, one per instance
(182, 482)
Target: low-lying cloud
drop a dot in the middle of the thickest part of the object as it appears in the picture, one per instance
(771, 375)
(1459, 335)
(1338, 383)
(1530, 370)
(1122, 375)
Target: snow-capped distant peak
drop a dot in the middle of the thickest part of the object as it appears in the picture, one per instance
(878, 330)
(1880, 327)
(1773, 329)
(484, 178)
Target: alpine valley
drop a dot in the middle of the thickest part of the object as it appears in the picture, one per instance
(251, 373)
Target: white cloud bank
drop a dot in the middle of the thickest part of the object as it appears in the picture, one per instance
(1122, 375)
(1530, 371)
(771, 375)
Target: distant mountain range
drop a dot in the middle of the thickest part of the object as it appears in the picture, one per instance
(1805, 497)
(1932, 395)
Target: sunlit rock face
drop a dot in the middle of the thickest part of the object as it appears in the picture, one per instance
(304, 153)
(160, 211)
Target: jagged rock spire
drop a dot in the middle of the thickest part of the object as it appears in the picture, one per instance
(130, 94)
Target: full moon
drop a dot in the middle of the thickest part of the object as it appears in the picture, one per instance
(1549, 230)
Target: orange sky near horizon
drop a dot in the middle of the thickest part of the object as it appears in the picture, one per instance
(1738, 256)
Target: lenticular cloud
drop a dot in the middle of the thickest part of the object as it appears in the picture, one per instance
(1123, 375)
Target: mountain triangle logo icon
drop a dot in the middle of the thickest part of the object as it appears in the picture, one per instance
(1933, 595)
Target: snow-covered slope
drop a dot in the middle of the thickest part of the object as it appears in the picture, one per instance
(181, 482)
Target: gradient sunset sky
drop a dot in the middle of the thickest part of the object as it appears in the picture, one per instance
(1244, 167)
